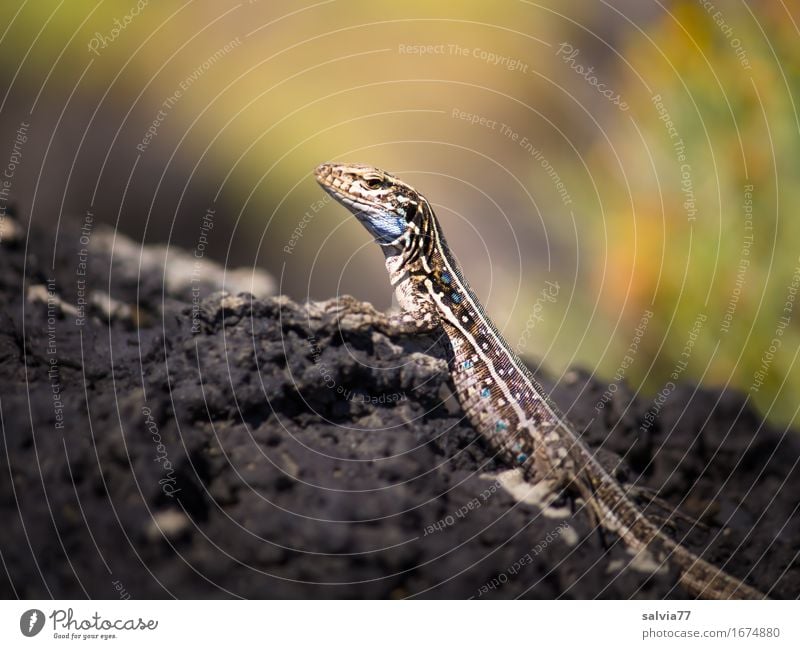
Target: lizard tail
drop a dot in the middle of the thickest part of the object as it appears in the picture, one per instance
(707, 581)
(698, 577)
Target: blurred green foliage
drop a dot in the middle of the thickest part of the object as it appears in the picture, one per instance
(332, 81)
(731, 85)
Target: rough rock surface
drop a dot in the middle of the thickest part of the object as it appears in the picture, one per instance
(245, 447)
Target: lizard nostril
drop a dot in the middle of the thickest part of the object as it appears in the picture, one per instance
(323, 171)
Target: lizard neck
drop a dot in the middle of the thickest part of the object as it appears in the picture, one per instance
(417, 264)
(406, 280)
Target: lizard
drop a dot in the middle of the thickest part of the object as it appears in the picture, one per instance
(499, 395)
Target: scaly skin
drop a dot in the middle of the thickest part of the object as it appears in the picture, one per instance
(499, 395)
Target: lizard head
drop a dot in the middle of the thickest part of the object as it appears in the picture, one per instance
(385, 205)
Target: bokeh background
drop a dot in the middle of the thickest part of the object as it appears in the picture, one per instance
(591, 162)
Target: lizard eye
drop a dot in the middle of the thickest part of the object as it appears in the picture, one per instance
(373, 183)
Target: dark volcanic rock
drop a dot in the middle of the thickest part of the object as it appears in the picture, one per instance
(246, 447)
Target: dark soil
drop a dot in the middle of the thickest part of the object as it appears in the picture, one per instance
(275, 453)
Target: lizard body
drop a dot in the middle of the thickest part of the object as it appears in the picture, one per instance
(497, 392)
